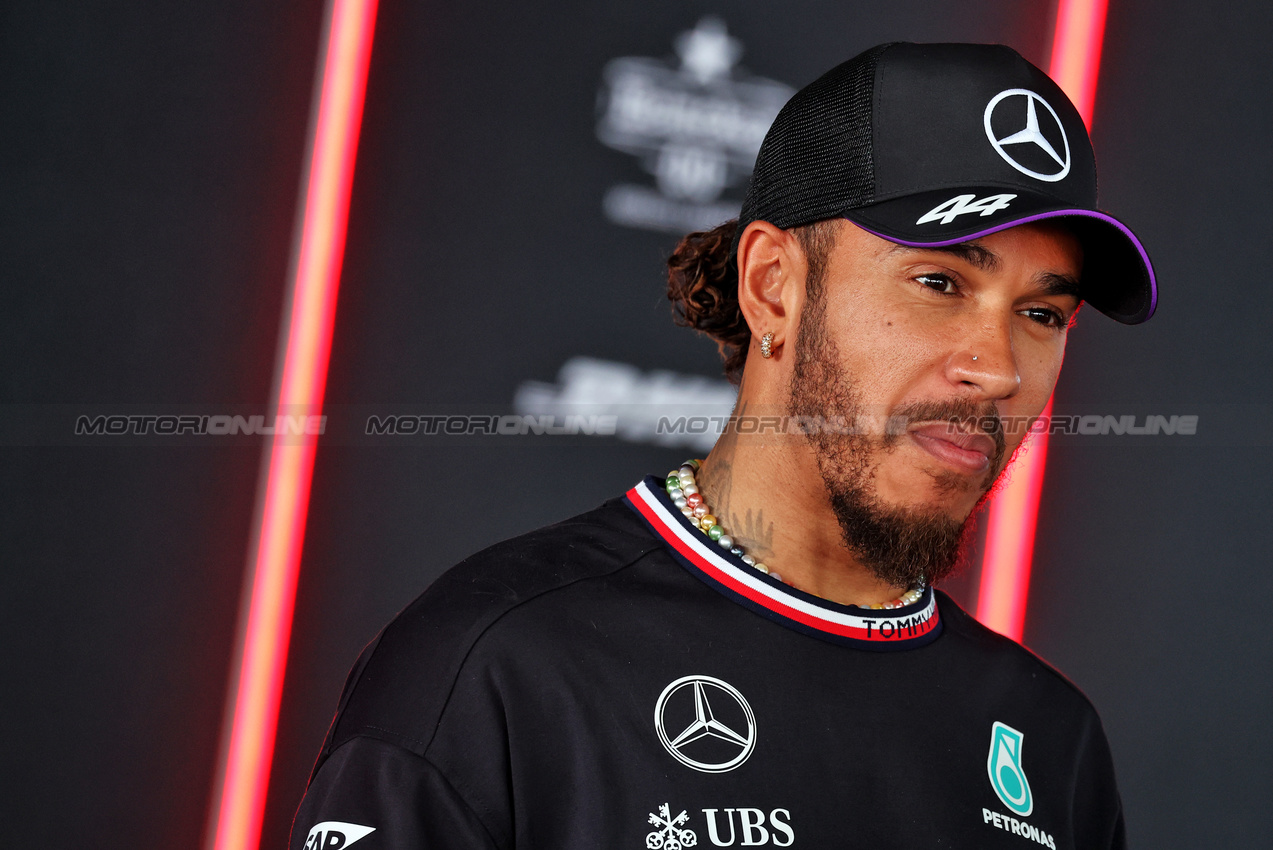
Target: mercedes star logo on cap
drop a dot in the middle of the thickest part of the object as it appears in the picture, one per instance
(1031, 134)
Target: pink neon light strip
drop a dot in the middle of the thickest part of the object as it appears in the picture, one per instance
(1076, 51)
(265, 626)
(1005, 569)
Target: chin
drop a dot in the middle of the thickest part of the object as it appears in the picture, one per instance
(936, 490)
(956, 510)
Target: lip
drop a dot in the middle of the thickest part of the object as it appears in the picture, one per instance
(967, 451)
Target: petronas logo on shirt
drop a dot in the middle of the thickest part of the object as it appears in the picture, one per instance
(1006, 774)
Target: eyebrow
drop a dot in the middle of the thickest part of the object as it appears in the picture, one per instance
(1060, 284)
(970, 252)
(1051, 283)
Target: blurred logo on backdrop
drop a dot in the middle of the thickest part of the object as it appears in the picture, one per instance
(659, 407)
(696, 124)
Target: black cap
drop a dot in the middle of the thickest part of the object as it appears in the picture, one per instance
(934, 144)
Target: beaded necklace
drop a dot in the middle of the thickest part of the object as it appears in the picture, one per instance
(684, 492)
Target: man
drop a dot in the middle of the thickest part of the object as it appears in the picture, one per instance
(750, 652)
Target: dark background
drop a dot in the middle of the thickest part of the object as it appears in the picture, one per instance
(152, 153)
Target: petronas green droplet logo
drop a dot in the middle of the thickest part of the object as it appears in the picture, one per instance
(1004, 766)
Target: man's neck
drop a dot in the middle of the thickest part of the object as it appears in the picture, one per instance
(768, 494)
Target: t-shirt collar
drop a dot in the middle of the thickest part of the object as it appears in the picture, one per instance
(909, 627)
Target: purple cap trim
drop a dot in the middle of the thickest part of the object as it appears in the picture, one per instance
(1144, 257)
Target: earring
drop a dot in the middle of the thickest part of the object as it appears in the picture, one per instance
(766, 345)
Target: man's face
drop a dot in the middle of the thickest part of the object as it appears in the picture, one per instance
(905, 340)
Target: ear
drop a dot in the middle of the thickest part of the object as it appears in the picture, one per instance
(771, 274)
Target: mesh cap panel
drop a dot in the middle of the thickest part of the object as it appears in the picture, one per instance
(816, 160)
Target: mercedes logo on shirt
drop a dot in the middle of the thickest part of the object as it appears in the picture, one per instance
(705, 724)
(1025, 130)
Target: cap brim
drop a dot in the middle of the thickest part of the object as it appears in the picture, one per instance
(1117, 279)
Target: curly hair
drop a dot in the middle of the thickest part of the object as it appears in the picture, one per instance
(702, 284)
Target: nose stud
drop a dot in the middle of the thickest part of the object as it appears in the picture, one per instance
(974, 357)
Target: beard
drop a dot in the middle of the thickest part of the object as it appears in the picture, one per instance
(900, 545)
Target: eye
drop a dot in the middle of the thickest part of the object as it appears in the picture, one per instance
(938, 282)
(1046, 316)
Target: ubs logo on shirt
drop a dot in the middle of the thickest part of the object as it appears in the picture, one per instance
(754, 829)
(726, 827)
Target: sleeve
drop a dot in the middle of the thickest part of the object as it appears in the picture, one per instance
(385, 798)
(1098, 805)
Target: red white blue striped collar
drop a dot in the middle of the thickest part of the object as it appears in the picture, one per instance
(898, 628)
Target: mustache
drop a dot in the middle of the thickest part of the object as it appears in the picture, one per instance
(963, 415)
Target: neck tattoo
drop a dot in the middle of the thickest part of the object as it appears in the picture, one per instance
(684, 492)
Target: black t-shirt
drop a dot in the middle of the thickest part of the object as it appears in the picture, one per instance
(619, 681)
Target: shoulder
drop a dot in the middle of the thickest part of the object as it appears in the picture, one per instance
(400, 686)
(1004, 665)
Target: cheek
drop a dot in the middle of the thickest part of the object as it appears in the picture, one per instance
(881, 349)
(1040, 368)
(1039, 373)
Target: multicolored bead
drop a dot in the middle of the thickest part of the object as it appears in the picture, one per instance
(691, 504)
